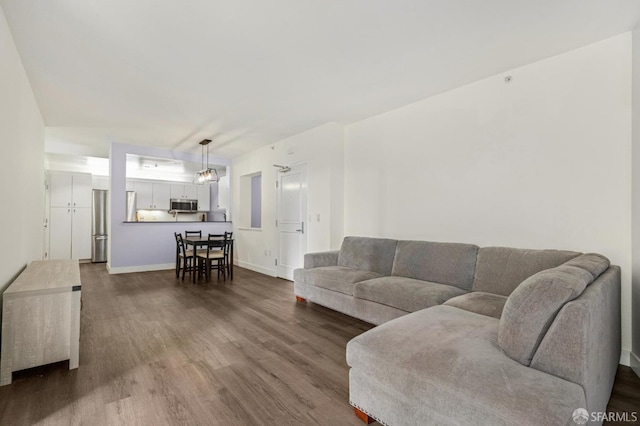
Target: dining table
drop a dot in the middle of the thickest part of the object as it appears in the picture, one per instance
(203, 242)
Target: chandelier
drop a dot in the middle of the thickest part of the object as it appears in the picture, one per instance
(207, 174)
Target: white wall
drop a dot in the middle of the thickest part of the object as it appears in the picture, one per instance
(322, 149)
(635, 210)
(541, 162)
(21, 165)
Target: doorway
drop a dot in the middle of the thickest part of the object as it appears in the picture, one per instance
(291, 216)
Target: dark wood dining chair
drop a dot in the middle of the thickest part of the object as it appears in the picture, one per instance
(184, 257)
(198, 234)
(228, 236)
(214, 257)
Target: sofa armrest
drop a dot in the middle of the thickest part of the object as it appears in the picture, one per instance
(324, 258)
(583, 343)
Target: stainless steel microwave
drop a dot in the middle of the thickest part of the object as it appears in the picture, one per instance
(180, 205)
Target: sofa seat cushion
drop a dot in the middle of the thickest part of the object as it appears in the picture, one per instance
(480, 303)
(447, 364)
(406, 294)
(337, 278)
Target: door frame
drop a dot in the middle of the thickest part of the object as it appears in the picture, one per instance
(279, 175)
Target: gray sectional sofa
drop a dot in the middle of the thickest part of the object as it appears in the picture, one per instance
(471, 335)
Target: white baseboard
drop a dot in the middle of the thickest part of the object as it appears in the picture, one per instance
(625, 357)
(256, 268)
(635, 364)
(140, 268)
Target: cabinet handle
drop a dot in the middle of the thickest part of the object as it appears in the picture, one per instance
(68, 204)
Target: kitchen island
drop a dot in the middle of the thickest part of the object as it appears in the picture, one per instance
(151, 246)
(173, 221)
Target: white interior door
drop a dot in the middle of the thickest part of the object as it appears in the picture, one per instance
(292, 213)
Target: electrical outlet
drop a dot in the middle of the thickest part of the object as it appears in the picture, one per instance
(318, 217)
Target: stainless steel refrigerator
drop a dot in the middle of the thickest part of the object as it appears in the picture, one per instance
(99, 235)
(131, 206)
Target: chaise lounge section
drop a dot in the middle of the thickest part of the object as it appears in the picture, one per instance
(492, 335)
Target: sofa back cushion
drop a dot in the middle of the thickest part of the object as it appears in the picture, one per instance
(593, 263)
(369, 254)
(499, 270)
(532, 307)
(444, 263)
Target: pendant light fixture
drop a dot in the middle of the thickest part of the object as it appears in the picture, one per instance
(207, 174)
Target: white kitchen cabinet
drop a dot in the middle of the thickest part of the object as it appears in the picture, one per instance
(204, 197)
(60, 233)
(70, 233)
(177, 191)
(184, 191)
(100, 182)
(153, 196)
(81, 233)
(161, 196)
(70, 189)
(82, 190)
(70, 215)
(144, 195)
(61, 186)
(191, 191)
(223, 192)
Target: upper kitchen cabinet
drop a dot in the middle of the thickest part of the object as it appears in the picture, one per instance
(204, 197)
(184, 191)
(153, 196)
(70, 189)
(223, 192)
(144, 195)
(162, 196)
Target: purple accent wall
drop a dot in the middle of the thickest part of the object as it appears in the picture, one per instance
(256, 201)
(141, 244)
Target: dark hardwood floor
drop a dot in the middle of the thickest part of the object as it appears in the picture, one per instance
(156, 351)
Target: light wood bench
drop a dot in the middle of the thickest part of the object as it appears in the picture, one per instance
(41, 317)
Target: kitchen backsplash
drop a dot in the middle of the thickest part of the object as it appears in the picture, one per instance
(163, 216)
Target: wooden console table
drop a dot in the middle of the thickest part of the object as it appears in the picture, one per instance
(41, 317)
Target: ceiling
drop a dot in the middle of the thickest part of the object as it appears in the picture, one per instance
(247, 73)
(138, 167)
(142, 167)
